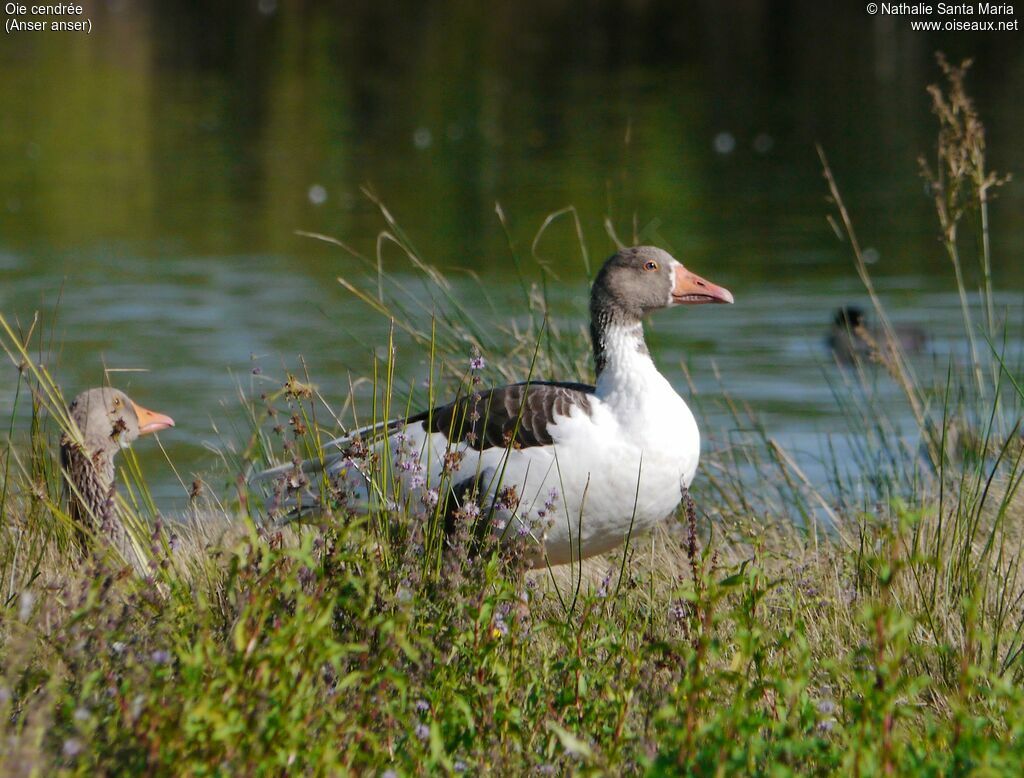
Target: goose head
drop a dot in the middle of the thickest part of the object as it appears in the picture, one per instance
(637, 281)
(110, 420)
(632, 284)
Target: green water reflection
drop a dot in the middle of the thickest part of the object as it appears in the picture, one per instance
(158, 169)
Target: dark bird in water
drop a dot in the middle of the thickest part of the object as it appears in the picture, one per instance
(108, 421)
(852, 339)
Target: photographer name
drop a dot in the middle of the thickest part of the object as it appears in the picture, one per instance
(946, 9)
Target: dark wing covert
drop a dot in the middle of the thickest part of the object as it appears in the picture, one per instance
(517, 414)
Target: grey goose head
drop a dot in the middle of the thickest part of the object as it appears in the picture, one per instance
(110, 420)
(637, 281)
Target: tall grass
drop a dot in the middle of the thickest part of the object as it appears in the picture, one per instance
(869, 625)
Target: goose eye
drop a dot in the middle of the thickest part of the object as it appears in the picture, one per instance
(117, 402)
(650, 265)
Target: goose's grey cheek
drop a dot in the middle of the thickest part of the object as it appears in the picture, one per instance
(657, 292)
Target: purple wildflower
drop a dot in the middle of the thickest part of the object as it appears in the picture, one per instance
(422, 731)
(160, 657)
(422, 706)
(679, 611)
(551, 501)
(477, 362)
(72, 747)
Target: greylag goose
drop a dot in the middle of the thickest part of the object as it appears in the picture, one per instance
(851, 339)
(577, 467)
(108, 421)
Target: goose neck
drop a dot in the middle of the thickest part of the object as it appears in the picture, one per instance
(621, 356)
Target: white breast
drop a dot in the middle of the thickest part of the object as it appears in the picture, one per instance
(614, 469)
(624, 467)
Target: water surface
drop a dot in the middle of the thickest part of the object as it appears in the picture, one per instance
(155, 174)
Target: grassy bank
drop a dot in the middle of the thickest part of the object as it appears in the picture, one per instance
(870, 625)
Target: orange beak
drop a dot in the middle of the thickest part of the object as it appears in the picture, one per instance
(690, 289)
(150, 421)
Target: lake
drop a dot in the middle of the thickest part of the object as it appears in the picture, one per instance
(156, 172)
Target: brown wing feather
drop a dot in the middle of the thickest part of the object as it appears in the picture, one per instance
(517, 415)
